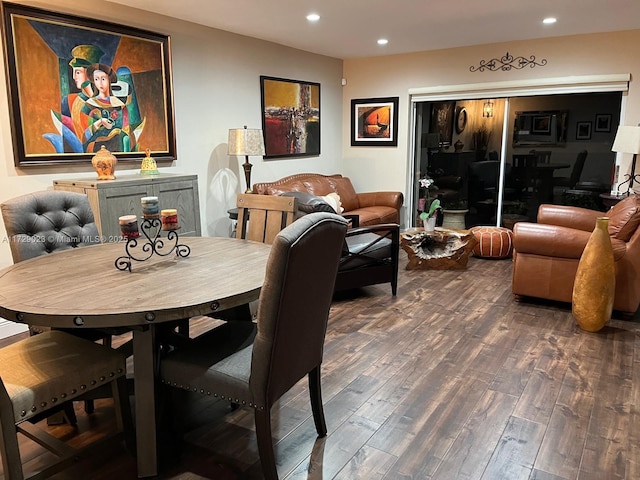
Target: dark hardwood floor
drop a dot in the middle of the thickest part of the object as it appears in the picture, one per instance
(452, 379)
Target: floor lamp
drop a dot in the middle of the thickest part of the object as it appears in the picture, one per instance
(628, 141)
(246, 141)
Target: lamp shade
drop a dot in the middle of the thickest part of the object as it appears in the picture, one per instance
(627, 140)
(246, 141)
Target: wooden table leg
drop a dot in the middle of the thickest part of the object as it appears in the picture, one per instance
(144, 376)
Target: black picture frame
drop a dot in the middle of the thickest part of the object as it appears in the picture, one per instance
(583, 130)
(60, 121)
(541, 124)
(602, 123)
(290, 117)
(374, 122)
(441, 121)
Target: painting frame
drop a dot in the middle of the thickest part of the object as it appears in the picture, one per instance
(282, 101)
(541, 124)
(380, 134)
(442, 122)
(603, 123)
(583, 130)
(66, 119)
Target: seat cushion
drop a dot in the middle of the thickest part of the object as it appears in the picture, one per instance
(52, 367)
(493, 242)
(363, 250)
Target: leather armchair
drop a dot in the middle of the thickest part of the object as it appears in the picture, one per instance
(546, 254)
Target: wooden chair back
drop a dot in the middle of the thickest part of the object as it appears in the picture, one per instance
(543, 156)
(261, 217)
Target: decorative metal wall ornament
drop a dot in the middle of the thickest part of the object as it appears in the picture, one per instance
(506, 63)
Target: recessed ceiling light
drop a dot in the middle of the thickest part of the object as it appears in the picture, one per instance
(383, 41)
(313, 17)
(549, 20)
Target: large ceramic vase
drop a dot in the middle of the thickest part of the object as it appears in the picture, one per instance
(594, 286)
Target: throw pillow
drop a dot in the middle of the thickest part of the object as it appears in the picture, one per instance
(333, 199)
(308, 203)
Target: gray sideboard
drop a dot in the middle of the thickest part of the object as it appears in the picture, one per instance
(111, 199)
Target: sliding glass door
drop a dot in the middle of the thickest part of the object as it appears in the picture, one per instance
(500, 158)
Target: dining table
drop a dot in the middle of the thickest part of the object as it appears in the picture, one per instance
(81, 288)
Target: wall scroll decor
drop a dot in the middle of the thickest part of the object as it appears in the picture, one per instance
(290, 117)
(76, 84)
(506, 63)
(374, 122)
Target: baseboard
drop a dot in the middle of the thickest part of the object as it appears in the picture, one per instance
(8, 329)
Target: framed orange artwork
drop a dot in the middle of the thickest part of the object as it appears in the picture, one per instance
(374, 122)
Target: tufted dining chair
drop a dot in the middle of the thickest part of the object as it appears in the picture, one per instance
(37, 375)
(48, 221)
(253, 365)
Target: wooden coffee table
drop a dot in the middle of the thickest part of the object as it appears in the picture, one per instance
(442, 249)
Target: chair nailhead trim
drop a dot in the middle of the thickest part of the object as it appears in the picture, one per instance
(23, 413)
(54, 400)
(103, 378)
(83, 387)
(93, 382)
(33, 408)
(43, 404)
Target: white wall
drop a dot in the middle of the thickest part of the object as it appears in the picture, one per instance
(375, 168)
(216, 78)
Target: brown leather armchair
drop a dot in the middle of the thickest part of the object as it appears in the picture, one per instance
(546, 254)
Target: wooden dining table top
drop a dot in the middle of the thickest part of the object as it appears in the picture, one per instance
(81, 287)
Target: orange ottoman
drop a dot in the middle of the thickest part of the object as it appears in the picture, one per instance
(493, 242)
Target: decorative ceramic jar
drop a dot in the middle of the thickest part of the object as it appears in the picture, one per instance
(594, 285)
(105, 164)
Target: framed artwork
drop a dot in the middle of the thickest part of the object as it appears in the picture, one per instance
(603, 123)
(461, 119)
(77, 84)
(374, 122)
(541, 124)
(442, 119)
(583, 131)
(290, 117)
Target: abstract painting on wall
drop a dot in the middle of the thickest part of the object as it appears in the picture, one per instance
(77, 84)
(290, 117)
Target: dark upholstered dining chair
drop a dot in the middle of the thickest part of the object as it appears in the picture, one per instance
(37, 375)
(253, 365)
(48, 221)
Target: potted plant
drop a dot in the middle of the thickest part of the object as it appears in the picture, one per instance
(454, 213)
(430, 216)
(481, 138)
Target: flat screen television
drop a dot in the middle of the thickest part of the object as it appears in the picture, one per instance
(540, 128)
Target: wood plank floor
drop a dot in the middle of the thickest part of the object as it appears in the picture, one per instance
(452, 379)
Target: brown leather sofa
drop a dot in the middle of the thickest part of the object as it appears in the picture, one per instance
(372, 208)
(546, 254)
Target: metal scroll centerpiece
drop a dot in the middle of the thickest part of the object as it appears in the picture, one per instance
(143, 248)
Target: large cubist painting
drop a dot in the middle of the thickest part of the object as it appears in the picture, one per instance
(77, 84)
(290, 117)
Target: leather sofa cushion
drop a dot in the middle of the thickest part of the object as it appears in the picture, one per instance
(290, 187)
(624, 218)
